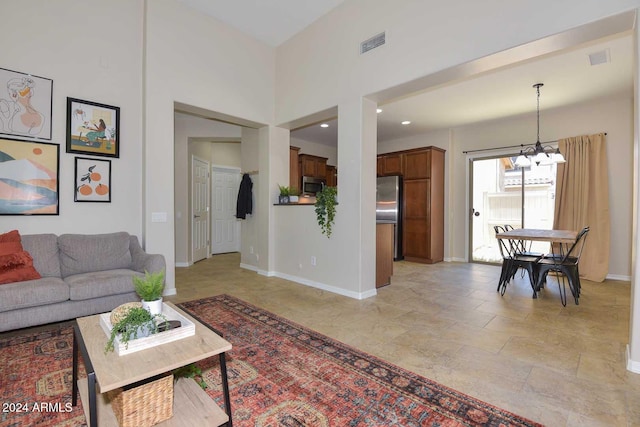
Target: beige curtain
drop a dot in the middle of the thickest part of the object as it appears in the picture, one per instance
(582, 199)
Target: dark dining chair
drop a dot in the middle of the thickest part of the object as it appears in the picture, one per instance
(513, 259)
(523, 247)
(505, 251)
(566, 264)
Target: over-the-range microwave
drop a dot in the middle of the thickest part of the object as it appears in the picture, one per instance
(311, 185)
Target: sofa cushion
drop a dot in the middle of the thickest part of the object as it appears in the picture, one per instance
(17, 267)
(33, 293)
(44, 251)
(101, 283)
(84, 253)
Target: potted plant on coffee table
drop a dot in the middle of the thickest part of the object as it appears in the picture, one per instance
(149, 289)
(134, 322)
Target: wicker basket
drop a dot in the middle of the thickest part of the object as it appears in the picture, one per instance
(145, 405)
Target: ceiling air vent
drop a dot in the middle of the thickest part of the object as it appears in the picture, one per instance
(372, 43)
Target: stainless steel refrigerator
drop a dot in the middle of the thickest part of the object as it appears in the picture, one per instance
(389, 208)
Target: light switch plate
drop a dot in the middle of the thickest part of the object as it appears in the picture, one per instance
(158, 217)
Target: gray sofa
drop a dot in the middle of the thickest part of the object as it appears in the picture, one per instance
(81, 275)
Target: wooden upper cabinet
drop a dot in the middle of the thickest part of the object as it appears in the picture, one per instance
(332, 176)
(389, 164)
(417, 164)
(294, 174)
(313, 166)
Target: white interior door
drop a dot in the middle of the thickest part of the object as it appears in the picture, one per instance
(200, 209)
(225, 230)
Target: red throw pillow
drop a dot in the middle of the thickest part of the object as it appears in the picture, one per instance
(17, 267)
(10, 243)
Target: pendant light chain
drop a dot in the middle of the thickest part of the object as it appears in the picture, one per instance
(537, 86)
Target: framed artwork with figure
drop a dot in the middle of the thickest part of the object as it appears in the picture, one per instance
(25, 105)
(93, 128)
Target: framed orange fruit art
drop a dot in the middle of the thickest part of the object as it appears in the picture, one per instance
(93, 180)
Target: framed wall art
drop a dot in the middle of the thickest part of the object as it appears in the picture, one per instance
(25, 105)
(92, 180)
(93, 128)
(29, 177)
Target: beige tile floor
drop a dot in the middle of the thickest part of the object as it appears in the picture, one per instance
(560, 366)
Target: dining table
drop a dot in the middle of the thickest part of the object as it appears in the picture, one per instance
(562, 237)
(560, 243)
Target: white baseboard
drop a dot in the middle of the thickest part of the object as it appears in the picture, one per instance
(311, 283)
(325, 287)
(257, 270)
(619, 277)
(183, 264)
(169, 292)
(632, 365)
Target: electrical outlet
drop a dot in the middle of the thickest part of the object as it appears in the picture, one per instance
(250, 249)
(257, 257)
(313, 261)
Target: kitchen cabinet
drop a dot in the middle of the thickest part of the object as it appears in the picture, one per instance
(389, 164)
(422, 170)
(384, 254)
(417, 164)
(313, 166)
(332, 176)
(294, 174)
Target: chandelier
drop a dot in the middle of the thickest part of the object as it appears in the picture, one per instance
(541, 155)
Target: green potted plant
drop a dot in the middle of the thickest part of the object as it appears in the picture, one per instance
(293, 195)
(190, 371)
(149, 289)
(283, 198)
(137, 322)
(325, 205)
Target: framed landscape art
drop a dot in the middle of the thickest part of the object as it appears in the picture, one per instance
(29, 177)
(25, 105)
(93, 128)
(92, 180)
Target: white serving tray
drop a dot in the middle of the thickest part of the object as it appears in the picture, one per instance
(187, 329)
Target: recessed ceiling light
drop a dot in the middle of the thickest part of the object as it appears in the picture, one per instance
(324, 125)
(379, 110)
(406, 122)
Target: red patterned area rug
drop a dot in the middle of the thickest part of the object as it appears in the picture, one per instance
(35, 379)
(283, 374)
(280, 374)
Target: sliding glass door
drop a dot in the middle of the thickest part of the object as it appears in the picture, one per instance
(502, 194)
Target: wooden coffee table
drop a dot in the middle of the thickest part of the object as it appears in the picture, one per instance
(106, 372)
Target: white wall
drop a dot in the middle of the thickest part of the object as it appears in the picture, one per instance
(201, 62)
(59, 40)
(251, 232)
(321, 66)
(226, 154)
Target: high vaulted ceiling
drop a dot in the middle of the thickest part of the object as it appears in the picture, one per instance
(568, 76)
(272, 22)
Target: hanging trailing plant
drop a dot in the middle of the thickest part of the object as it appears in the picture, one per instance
(326, 209)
